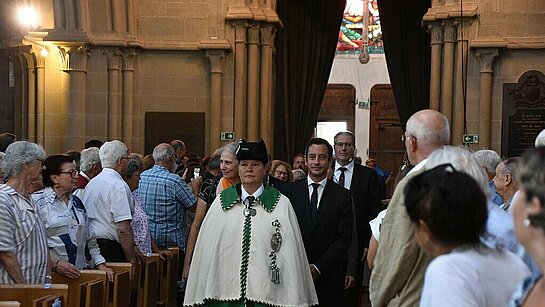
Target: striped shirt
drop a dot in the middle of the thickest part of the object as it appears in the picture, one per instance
(165, 196)
(22, 233)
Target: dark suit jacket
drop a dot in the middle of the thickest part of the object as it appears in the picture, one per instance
(365, 194)
(327, 241)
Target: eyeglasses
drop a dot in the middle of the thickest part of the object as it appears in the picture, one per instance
(73, 173)
(42, 162)
(403, 137)
(344, 145)
(123, 158)
(281, 173)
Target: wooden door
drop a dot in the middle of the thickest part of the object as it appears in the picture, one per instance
(339, 105)
(385, 144)
(163, 127)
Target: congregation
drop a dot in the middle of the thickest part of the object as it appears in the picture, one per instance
(462, 228)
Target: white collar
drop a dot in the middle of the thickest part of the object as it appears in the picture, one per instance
(256, 194)
(321, 182)
(418, 166)
(349, 166)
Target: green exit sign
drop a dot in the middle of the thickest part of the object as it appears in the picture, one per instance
(471, 138)
(227, 136)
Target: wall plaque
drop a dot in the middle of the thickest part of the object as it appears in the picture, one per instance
(523, 113)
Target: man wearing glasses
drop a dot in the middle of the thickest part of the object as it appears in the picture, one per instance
(400, 264)
(363, 185)
(108, 200)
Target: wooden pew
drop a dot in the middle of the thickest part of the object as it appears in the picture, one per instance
(78, 288)
(168, 275)
(95, 293)
(148, 281)
(119, 292)
(53, 300)
(26, 294)
(10, 304)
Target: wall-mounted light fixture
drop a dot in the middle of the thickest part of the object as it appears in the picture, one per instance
(28, 16)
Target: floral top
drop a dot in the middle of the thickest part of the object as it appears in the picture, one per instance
(521, 293)
(140, 228)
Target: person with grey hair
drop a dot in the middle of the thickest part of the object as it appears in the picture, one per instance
(489, 160)
(398, 273)
(180, 153)
(24, 252)
(529, 217)
(505, 182)
(109, 204)
(2, 176)
(540, 139)
(89, 167)
(165, 197)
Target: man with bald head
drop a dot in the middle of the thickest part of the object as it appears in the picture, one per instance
(398, 273)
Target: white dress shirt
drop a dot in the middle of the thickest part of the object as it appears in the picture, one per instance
(347, 173)
(320, 189)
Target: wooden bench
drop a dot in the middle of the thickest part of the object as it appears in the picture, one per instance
(10, 304)
(119, 292)
(31, 295)
(91, 285)
(148, 281)
(168, 275)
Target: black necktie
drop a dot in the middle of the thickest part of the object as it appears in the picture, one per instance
(341, 177)
(314, 202)
(249, 201)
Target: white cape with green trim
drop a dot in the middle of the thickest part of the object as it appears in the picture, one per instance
(215, 272)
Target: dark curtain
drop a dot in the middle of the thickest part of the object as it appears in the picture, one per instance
(305, 52)
(408, 54)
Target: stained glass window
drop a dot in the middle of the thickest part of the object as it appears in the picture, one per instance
(360, 28)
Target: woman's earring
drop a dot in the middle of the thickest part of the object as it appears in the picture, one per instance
(526, 222)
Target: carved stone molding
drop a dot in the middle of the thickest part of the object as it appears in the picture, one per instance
(486, 58)
(268, 33)
(436, 31)
(529, 92)
(216, 58)
(240, 30)
(30, 59)
(128, 59)
(253, 34)
(114, 58)
(450, 32)
(74, 57)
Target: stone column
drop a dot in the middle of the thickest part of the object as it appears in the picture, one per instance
(436, 30)
(128, 97)
(253, 83)
(216, 58)
(458, 114)
(118, 16)
(40, 100)
(21, 97)
(266, 108)
(31, 94)
(130, 16)
(75, 65)
(114, 105)
(448, 70)
(486, 58)
(58, 14)
(240, 79)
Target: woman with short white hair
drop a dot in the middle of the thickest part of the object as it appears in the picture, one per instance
(23, 243)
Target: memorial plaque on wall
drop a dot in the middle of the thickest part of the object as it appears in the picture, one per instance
(523, 115)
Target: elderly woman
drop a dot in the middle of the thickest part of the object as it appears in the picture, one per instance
(448, 209)
(281, 170)
(23, 242)
(66, 223)
(529, 217)
(229, 170)
(142, 237)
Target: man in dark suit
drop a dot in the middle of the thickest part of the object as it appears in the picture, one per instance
(324, 212)
(363, 185)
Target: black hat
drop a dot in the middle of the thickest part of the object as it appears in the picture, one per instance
(252, 151)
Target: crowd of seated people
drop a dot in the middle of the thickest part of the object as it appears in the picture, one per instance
(462, 228)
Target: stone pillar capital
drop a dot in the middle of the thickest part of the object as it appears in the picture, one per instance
(240, 30)
(268, 33)
(74, 58)
(436, 31)
(128, 59)
(114, 58)
(216, 58)
(450, 31)
(253, 34)
(486, 58)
